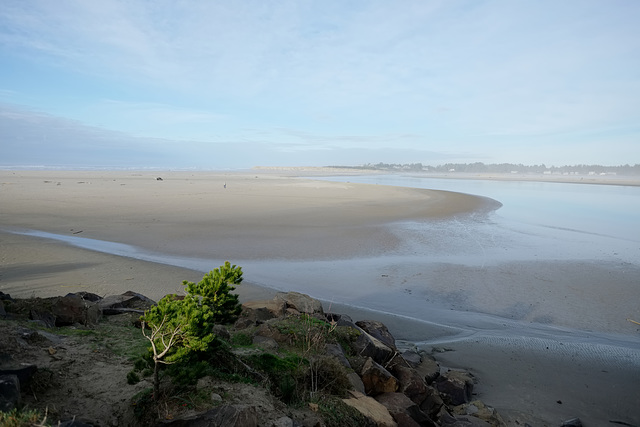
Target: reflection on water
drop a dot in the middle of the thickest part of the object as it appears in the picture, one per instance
(537, 219)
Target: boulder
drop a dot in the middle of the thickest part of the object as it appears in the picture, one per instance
(127, 302)
(428, 368)
(72, 309)
(432, 404)
(379, 331)
(369, 346)
(300, 302)
(448, 420)
(225, 415)
(341, 320)
(573, 422)
(336, 351)
(404, 411)
(88, 296)
(9, 392)
(142, 302)
(410, 383)
(356, 382)
(376, 379)
(284, 422)
(372, 410)
(412, 357)
(45, 318)
(478, 409)
(456, 387)
(257, 312)
(23, 372)
(5, 297)
(269, 331)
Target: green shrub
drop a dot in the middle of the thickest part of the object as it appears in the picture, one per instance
(133, 378)
(182, 327)
(24, 418)
(283, 374)
(241, 339)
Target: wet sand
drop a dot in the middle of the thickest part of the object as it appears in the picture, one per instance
(261, 217)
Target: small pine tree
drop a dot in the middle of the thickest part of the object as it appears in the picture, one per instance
(180, 327)
(213, 291)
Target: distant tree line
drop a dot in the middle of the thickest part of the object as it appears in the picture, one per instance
(480, 167)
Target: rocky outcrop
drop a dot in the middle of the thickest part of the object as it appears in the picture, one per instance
(390, 387)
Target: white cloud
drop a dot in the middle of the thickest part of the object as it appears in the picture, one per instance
(339, 74)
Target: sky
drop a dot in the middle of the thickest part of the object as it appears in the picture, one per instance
(235, 84)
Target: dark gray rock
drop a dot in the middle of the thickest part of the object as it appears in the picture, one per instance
(300, 302)
(341, 320)
(376, 379)
(379, 331)
(573, 422)
(45, 318)
(127, 302)
(428, 368)
(369, 346)
(5, 297)
(411, 383)
(404, 411)
(9, 392)
(432, 404)
(23, 372)
(3, 312)
(448, 420)
(412, 358)
(142, 302)
(356, 382)
(257, 312)
(336, 351)
(455, 386)
(266, 343)
(88, 296)
(478, 409)
(72, 309)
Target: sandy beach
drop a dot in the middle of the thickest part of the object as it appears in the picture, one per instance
(264, 216)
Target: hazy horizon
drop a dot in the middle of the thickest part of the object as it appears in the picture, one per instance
(215, 86)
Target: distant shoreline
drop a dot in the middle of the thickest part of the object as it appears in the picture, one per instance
(626, 180)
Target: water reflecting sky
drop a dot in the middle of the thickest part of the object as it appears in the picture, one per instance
(587, 220)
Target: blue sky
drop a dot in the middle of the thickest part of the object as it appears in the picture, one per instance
(219, 84)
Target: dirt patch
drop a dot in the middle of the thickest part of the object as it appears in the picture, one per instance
(82, 373)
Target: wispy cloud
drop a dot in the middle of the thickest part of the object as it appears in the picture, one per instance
(323, 75)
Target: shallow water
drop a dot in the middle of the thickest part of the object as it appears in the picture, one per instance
(478, 274)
